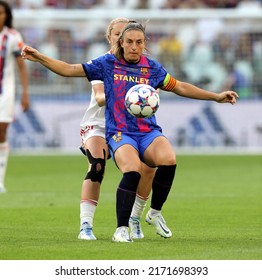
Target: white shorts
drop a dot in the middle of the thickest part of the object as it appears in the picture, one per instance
(7, 108)
(90, 131)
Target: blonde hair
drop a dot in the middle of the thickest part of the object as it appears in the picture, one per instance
(112, 23)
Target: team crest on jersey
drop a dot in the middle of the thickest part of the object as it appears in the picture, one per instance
(117, 137)
(144, 70)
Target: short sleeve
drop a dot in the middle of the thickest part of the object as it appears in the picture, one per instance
(94, 69)
(17, 43)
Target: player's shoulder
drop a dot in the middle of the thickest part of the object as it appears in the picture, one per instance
(104, 57)
(109, 56)
(12, 32)
(153, 61)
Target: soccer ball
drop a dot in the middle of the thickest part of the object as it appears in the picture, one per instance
(142, 101)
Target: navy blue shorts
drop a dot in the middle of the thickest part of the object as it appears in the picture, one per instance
(140, 141)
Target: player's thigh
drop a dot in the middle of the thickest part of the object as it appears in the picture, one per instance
(7, 102)
(160, 152)
(93, 139)
(96, 145)
(127, 159)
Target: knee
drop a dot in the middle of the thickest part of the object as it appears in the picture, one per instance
(169, 160)
(131, 167)
(97, 167)
(148, 171)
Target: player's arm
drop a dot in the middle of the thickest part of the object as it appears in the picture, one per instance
(57, 66)
(98, 88)
(191, 91)
(24, 82)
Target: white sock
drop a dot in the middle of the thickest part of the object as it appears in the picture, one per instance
(87, 211)
(138, 207)
(4, 152)
(153, 212)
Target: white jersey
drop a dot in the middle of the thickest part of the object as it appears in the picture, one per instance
(93, 122)
(11, 44)
(94, 115)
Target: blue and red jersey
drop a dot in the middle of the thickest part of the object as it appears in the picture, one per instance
(119, 77)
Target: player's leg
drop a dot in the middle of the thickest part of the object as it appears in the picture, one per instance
(160, 153)
(4, 153)
(127, 160)
(96, 152)
(143, 192)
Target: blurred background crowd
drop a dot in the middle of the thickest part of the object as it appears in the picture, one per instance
(216, 53)
(137, 4)
(215, 44)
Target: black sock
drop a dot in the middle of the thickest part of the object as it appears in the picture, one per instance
(125, 197)
(162, 184)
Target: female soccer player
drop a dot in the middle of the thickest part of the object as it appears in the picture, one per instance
(95, 148)
(130, 139)
(11, 44)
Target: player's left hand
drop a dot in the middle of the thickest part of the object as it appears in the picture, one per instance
(228, 97)
(30, 53)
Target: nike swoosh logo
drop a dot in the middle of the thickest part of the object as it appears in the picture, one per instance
(166, 231)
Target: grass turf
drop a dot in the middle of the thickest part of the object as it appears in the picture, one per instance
(214, 211)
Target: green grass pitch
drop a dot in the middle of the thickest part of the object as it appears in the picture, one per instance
(214, 211)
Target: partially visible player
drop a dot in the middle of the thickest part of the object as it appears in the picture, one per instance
(95, 148)
(11, 44)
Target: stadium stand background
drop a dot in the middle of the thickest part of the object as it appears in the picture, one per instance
(214, 44)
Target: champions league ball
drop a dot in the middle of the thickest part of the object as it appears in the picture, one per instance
(142, 101)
